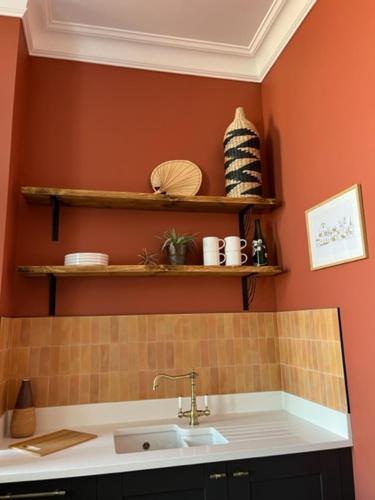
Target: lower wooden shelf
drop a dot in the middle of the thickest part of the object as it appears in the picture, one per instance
(246, 273)
(144, 271)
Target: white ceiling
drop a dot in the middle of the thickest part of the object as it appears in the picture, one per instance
(220, 21)
(235, 39)
(14, 8)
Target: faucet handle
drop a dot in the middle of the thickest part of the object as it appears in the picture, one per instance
(206, 412)
(180, 413)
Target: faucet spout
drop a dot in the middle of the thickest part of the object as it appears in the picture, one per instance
(161, 376)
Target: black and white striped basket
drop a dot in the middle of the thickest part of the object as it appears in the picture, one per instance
(242, 158)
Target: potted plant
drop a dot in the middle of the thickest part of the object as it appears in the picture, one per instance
(148, 259)
(177, 246)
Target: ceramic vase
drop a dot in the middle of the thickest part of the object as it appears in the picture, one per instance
(242, 158)
(23, 421)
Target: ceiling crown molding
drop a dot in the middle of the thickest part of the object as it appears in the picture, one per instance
(49, 37)
(13, 8)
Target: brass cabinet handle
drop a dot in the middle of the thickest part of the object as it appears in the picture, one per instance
(218, 475)
(240, 474)
(55, 493)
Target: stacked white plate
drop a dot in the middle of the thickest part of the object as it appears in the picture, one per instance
(86, 259)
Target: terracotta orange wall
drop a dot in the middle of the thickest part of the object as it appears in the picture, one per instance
(16, 159)
(319, 103)
(102, 127)
(10, 36)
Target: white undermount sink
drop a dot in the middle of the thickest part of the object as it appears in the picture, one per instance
(164, 437)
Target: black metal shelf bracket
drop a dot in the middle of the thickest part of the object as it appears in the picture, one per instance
(248, 290)
(248, 282)
(52, 295)
(244, 220)
(55, 202)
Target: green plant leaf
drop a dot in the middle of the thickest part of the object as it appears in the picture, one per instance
(173, 239)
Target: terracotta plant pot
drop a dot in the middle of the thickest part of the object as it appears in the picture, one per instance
(177, 254)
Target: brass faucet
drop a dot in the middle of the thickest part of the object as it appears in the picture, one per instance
(193, 413)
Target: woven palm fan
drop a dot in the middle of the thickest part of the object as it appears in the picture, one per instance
(176, 177)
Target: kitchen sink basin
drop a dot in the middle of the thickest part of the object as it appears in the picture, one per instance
(147, 438)
(164, 437)
(202, 437)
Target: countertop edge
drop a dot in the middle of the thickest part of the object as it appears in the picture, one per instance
(308, 428)
(101, 469)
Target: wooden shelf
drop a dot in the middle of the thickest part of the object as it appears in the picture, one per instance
(57, 197)
(144, 271)
(145, 201)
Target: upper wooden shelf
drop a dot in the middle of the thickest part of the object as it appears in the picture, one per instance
(140, 270)
(145, 201)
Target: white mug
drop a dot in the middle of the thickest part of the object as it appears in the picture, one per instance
(213, 258)
(235, 258)
(234, 243)
(212, 244)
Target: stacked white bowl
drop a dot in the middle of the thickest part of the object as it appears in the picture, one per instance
(86, 259)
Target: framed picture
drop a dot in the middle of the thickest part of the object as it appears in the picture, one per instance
(336, 230)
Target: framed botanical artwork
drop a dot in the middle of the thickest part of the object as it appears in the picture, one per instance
(336, 230)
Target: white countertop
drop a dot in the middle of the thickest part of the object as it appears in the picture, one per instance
(249, 434)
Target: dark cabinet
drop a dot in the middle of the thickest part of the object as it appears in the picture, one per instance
(215, 481)
(311, 476)
(239, 475)
(80, 488)
(225, 481)
(54, 487)
(325, 475)
(170, 495)
(174, 483)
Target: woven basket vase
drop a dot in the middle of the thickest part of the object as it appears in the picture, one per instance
(242, 158)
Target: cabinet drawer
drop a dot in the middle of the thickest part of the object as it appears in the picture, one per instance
(289, 476)
(173, 495)
(216, 481)
(58, 489)
(285, 466)
(77, 488)
(239, 475)
(306, 487)
(173, 479)
(311, 476)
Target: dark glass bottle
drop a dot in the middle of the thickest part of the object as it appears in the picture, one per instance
(259, 248)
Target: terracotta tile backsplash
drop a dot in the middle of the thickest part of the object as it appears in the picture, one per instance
(98, 359)
(73, 360)
(310, 356)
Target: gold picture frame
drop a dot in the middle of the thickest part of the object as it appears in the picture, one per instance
(336, 230)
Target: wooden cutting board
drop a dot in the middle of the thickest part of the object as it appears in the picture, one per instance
(54, 441)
